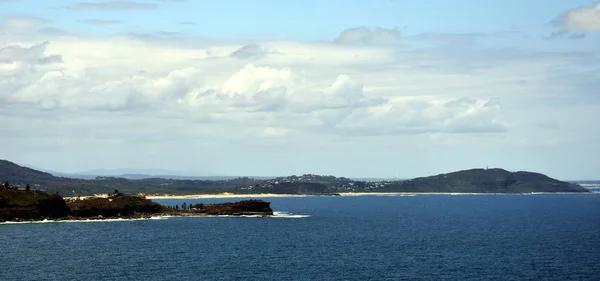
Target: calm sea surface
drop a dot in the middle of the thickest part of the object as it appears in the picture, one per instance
(423, 237)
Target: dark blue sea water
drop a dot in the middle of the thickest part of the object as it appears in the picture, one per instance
(423, 237)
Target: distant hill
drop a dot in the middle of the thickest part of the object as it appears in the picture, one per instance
(134, 174)
(67, 186)
(20, 175)
(485, 181)
(145, 176)
(471, 181)
(124, 171)
(149, 173)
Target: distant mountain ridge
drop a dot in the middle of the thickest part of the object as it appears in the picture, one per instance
(140, 174)
(125, 171)
(135, 174)
(466, 181)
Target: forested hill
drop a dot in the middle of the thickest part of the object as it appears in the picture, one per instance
(12, 172)
(485, 181)
(472, 181)
(20, 176)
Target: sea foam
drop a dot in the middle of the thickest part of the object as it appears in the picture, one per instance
(288, 215)
(275, 215)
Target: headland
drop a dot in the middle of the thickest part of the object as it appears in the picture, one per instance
(20, 205)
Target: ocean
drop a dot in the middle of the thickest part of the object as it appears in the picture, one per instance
(420, 237)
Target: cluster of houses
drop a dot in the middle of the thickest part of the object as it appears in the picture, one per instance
(340, 184)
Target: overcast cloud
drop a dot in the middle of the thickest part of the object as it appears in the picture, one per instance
(369, 101)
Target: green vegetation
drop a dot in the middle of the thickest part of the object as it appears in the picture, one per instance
(246, 207)
(484, 181)
(474, 180)
(15, 203)
(20, 176)
(116, 205)
(18, 204)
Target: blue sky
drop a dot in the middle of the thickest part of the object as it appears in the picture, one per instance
(350, 88)
(317, 20)
(307, 20)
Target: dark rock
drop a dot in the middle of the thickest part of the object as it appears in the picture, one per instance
(30, 205)
(17, 205)
(115, 206)
(246, 207)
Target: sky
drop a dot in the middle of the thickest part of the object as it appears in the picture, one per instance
(351, 88)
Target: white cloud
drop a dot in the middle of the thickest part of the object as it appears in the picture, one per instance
(364, 34)
(318, 91)
(17, 23)
(250, 51)
(138, 95)
(33, 54)
(583, 19)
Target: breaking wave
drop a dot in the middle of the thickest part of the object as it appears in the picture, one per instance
(284, 215)
(275, 215)
(288, 215)
(83, 221)
(357, 194)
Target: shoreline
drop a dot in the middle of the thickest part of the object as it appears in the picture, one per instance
(126, 218)
(341, 194)
(150, 217)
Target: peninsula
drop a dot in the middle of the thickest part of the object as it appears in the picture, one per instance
(23, 204)
(465, 181)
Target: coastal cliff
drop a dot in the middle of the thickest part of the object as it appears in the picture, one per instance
(23, 204)
(114, 206)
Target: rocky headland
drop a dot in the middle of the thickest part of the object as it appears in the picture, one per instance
(30, 205)
(20, 204)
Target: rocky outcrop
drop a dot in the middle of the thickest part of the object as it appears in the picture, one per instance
(25, 205)
(18, 204)
(114, 206)
(246, 207)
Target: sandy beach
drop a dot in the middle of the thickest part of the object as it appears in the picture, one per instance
(221, 195)
(255, 195)
(267, 195)
(347, 194)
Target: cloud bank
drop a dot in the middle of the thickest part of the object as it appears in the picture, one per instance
(298, 88)
(365, 94)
